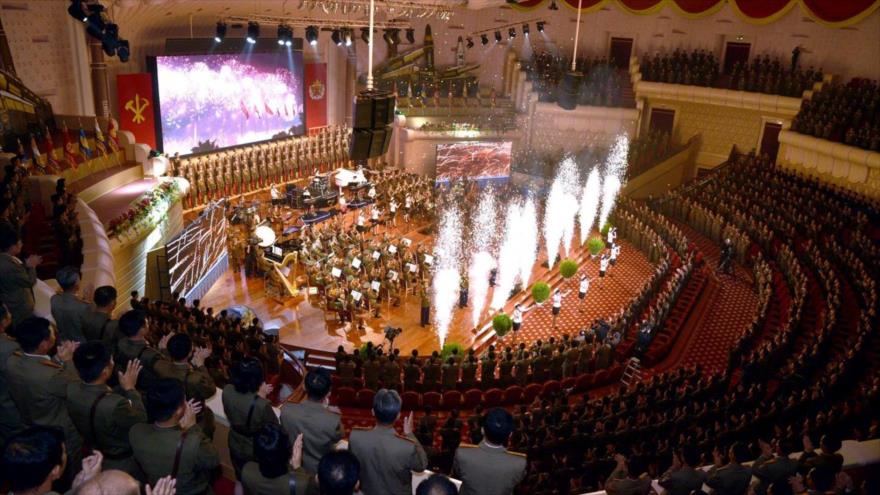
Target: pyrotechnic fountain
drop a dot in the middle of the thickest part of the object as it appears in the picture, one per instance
(589, 203)
(528, 240)
(615, 169)
(508, 257)
(445, 285)
(559, 211)
(482, 236)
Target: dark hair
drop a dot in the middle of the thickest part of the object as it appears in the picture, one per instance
(780, 487)
(163, 398)
(9, 236)
(179, 346)
(90, 360)
(104, 295)
(31, 332)
(741, 452)
(67, 277)
(272, 450)
(823, 478)
(386, 406)
(246, 375)
(437, 484)
(30, 456)
(498, 425)
(635, 466)
(131, 322)
(690, 455)
(786, 446)
(830, 443)
(338, 473)
(317, 384)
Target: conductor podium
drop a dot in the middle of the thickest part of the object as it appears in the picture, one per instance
(371, 135)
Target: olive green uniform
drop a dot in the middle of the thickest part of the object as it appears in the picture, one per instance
(197, 384)
(256, 484)
(247, 414)
(387, 460)
(487, 470)
(321, 430)
(155, 449)
(10, 419)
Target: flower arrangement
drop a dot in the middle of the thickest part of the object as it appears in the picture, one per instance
(146, 211)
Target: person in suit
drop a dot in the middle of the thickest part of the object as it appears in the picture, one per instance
(102, 416)
(321, 428)
(339, 473)
(68, 309)
(17, 279)
(39, 385)
(246, 409)
(683, 477)
(133, 330)
(98, 322)
(732, 478)
(437, 484)
(10, 418)
(188, 366)
(489, 468)
(277, 465)
(173, 444)
(387, 458)
(630, 477)
(774, 464)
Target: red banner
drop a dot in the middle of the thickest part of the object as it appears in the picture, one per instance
(316, 95)
(136, 106)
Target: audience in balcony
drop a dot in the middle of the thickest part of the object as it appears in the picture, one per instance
(701, 68)
(844, 113)
(647, 150)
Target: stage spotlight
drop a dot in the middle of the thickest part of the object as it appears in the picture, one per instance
(525, 29)
(553, 5)
(123, 51)
(280, 35)
(220, 33)
(497, 36)
(253, 32)
(95, 24)
(470, 42)
(410, 35)
(110, 40)
(289, 40)
(346, 34)
(336, 36)
(285, 35)
(540, 26)
(77, 11)
(511, 33)
(365, 34)
(312, 35)
(395, 36)
(484, 39)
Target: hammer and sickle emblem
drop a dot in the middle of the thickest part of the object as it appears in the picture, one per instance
(137, 107)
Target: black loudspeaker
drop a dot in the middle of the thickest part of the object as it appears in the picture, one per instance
(369, 143)
(569, 89)
(373, 110)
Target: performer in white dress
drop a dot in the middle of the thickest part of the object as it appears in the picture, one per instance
(583, 287)
(603, 266)
(361, 223)
(615, 252)
(375, 215)
(392, 211)
(557, 304)
(612, 236)
(518, 312)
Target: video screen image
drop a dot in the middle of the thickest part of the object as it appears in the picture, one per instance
(216, 101)
(195, 250)
(473, 160)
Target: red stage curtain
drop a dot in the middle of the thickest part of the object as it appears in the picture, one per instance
(836, 13)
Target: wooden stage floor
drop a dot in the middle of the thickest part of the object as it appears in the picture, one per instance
(302, 325)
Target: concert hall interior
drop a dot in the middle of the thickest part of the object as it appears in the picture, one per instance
(487, 247)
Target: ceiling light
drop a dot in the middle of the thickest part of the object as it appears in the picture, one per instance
(484, 39)
(95, 21)
(123, 51)
(220, 33)
(540, 26)
(410, 35)
(77, 11)
(365, 34)
(281, 35)
(395, 36)
(347, 36)
(511, 33)
(525, 29)
(470, 42)
(110, 40)
(336, 36)
(253, 32)
(312, 35)
(497, 36)
(553, 5)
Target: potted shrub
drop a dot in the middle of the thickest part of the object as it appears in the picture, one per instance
(502, 324)
(446, 351)
(595, 245)
(568, 268)
(606, 228)
(540, 292)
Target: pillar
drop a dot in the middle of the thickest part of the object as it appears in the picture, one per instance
(5, 54)
(100, 82)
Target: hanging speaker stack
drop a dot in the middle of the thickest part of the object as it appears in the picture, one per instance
(569, 89)
(373, 114)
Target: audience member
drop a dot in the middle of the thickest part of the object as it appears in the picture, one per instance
(489, 468)
(339, 473)
(320, 427)
(247, 410)
(277, 465)
(17, 279)
(68, 309)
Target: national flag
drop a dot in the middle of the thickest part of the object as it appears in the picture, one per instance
(20, 149)
(38, 159)
(84, 144)
(69, 148)
(113, 134)
(100, 144)
(50, 150)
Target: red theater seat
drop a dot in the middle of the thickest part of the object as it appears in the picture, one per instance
(472, 397)
(513, 395)
(584, 382)
(493, 397)
(345, 397)
(569, 383)
(365, 398)
(451, 399)
(410, 400)
(532, 390)
(551, 387)
(431, 399)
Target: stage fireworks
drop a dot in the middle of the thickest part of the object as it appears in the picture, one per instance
(482, 235)
(528, 240)
(558, 211)
(445, 285)
(508, 258)
(589, 203)
(615, 168)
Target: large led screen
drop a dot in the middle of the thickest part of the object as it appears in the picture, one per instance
(473, 160)
(195, 250)
(216, 101)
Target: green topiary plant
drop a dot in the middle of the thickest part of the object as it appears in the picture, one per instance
(502, 324)
(446, 351)
(568, 268)
(606, 228)
(540, 292)
(595, 245)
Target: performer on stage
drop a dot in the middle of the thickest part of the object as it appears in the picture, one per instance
(392, 212)
(275, 194)
(375, 215)
(407, 208)
(557, 304)
(603, 266)
(615, 252)
(360, 223)
(612, 236)
(518, 311)
(583, 287)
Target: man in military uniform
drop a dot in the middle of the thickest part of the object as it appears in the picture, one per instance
(505, 369)
(432, 371)
(391, 372)
(469, 371)
(732, 478)
(10, 419)
(68, 309)
(387, 458)
(174, 445)
(372, 368)
(102, 416)
(489, 468)
(321, 428)
(133, 330)
(450, 374)
(774, 464)
(683, 477)
(98, 324)
(198, 385)
(487, 369)
(412, 373)
(38, 384)
(18, 279)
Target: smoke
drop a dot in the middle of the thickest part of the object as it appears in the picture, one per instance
(589, 203)
(483, 232)
(615, 168)
(445, 284)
